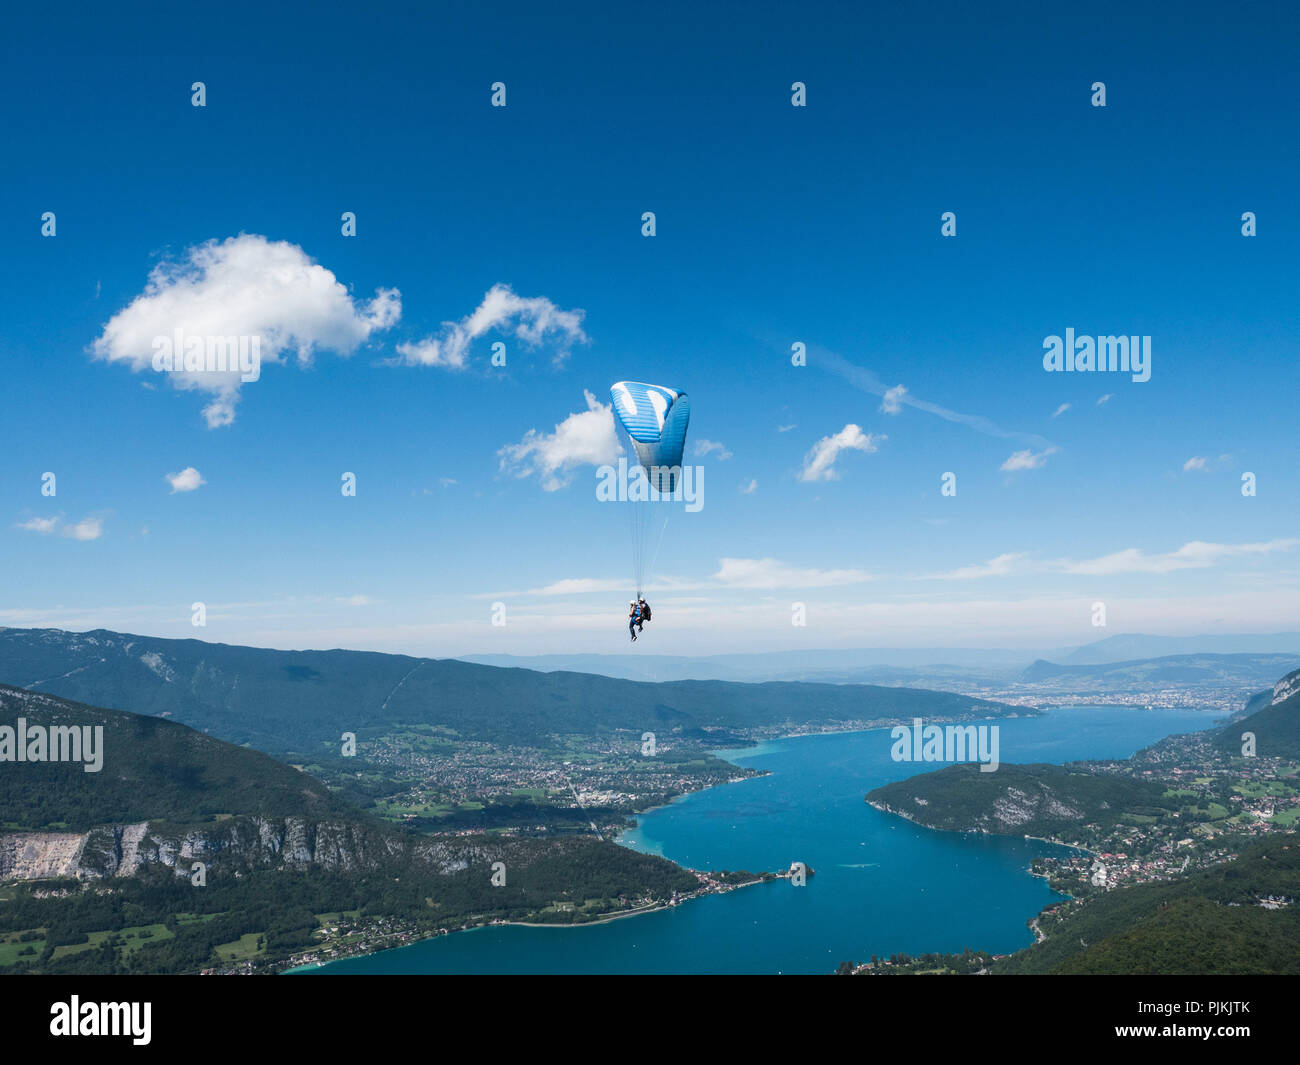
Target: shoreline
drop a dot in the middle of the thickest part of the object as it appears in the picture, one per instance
(756, 749)
(304, 967)
(884, 808)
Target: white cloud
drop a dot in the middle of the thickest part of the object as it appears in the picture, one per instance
(892, 401)
(750, 488)
(579, 586)
(586, 438)
(819, 463)
(244, 286)
(533, 319)
(1002, 566)
(1105, 399)
(1196, 462)
(186, 481)
(732, 573)
(597, 585)
(1027, 460)
(769, 573)
(706, 447)
(1060, 410)
(86, 529)
(1194, 555)
(786, 428)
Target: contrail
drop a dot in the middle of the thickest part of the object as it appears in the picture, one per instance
(867, 381)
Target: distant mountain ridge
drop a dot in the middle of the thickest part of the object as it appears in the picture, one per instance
(890, 665)
(1228, 669)
(297, 701)
(1127, 647)
(811, 665)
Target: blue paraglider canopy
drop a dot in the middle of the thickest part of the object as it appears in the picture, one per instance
(655, 418)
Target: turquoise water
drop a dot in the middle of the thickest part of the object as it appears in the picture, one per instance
(882, 884)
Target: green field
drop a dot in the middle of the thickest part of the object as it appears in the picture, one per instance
(244, 948)
(11, 947)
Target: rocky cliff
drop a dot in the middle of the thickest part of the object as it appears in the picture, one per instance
(237, 843)
(1286, 687)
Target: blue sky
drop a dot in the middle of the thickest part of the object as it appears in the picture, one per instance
(775, 224)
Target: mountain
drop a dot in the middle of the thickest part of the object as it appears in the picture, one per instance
(1172, 670)
(296, 701)
(1127, 647)
(152, 769)
(890, 665)
(100, 867)
(1241, 916)
(1020, 800)
(866, 665)
(1276, 726)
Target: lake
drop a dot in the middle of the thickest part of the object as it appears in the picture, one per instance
(882, 884)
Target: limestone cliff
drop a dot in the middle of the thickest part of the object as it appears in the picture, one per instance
(241, 843)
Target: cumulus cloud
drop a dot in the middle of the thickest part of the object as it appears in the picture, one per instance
(769, 573)
(1196, 554)
(786, 428)
(707, 447)
(186, 481)
(1105, 399)
(1027, 460)
(892, 401)
(585, 438)
(40, 525)
(245, 286)
(533, 319)
(750, 488)
(1196, 462)
(1060, 410)
(819, 463)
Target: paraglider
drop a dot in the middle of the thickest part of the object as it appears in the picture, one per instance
(655, 418)
(638, 612)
